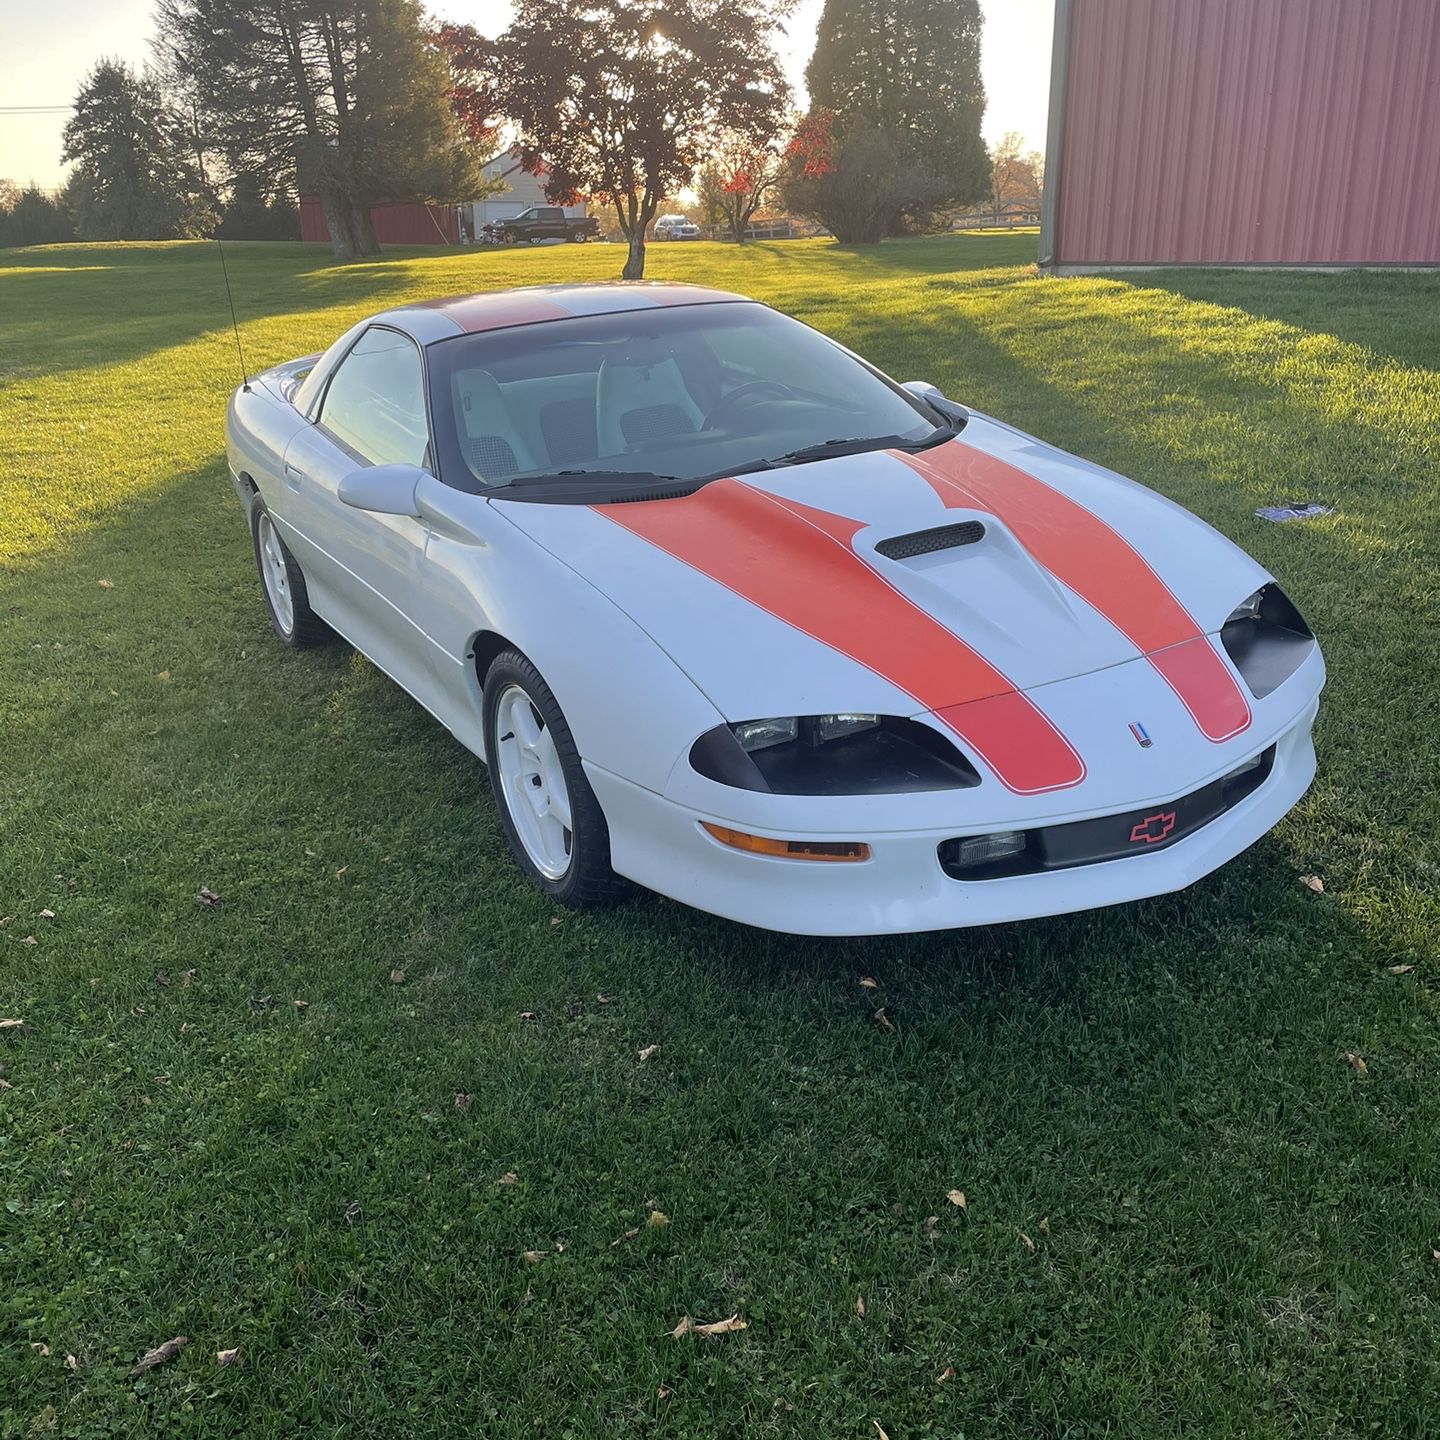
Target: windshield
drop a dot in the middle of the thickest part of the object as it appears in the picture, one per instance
(656, 396)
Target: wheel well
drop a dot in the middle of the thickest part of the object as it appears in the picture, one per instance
(485, 647)
(249, 484)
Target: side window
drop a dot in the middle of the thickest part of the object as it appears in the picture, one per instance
(376, 402)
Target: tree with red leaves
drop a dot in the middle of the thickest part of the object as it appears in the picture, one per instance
(471, 58)
(622, 100)
(734, 183)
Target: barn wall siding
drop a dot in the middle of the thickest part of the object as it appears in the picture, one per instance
(1247, 132)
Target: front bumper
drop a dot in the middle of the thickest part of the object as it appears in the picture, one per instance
(902, 888)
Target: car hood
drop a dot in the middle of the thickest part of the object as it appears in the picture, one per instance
(987, 566)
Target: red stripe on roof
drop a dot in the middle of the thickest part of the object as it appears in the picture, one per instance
(797, 564)
(1102, 568)
(496, 310)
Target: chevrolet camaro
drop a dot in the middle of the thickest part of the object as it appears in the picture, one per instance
(730, 614)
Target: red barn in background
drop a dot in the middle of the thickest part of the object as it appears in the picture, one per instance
(1251, 132)
(399, 224)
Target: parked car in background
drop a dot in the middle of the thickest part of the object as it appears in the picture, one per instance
(547, 222)
(676, 227)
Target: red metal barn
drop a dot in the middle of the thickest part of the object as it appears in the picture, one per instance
(1243, 132)
(400, 224)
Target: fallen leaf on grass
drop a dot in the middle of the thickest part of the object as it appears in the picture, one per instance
(106, 584)
(602, 999)
(47, 914)
(883, 1021)
(40, 1348)
(526, 1015)
(71, 1364)
(658, 1219)
(137, 1010)
(957, 1199)
(662, 1392)
(1027, 1242)
(352, 1212)
(462, 1100)
(860, 1306)
(508, 1178)
(5, 920)
(207, 897)
(1313, 882)
(11, 1024)
(1435, 1255)
(948, 1373)
(29, 940)
(868, 982)
(186, 976)
(880, 1430)
(1355, 1062)
(931, 1227)
(534, 1257)
(727, 1326)
(301, 1004)
(230, 1357)
(628, 1235)
(1044, 1226)
(340, 873)
(647, 1052)
(1399, 969)
(397, 977)
(159, 1355)
(162, 979)
(557, 919)
(6, 1085)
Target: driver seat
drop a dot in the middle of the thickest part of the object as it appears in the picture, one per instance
(489, 437)
(642, 396)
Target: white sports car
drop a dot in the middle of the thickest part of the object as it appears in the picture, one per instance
(730, 614)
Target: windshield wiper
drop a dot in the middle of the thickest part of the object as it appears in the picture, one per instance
(632, 477)
(852, 445)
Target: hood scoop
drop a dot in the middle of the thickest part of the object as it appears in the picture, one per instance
(927, 542)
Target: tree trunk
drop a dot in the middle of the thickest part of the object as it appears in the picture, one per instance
(635, 257)
(365, 242)
(335, 208)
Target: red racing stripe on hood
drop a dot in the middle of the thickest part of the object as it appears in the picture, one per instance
(797, 563)
(1081, 551)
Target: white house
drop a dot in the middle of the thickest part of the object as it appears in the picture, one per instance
(522, 190)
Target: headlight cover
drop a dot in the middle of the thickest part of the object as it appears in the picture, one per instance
(843, 753)
(1267, 639)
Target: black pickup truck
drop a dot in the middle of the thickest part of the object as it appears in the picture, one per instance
(547, 222)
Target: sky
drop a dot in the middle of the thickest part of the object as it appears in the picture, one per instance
(49, 46)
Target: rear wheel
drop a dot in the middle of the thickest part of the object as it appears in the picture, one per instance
(283, 584)
(549, 813)
(579, 236)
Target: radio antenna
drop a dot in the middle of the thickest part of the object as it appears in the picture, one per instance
(234, 323)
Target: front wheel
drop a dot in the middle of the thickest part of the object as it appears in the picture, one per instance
(283, 584)
(551, 818)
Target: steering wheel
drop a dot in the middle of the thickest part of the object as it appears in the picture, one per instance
(750, 387)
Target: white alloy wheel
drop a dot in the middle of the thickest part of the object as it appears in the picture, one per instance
(532, 781)
(274, 574)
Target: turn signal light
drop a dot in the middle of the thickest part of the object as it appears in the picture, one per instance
(787, 849)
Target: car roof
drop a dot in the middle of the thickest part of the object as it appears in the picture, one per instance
(429, 321)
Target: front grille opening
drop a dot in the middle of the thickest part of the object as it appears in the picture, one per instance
(1113, 837)
(927, 542)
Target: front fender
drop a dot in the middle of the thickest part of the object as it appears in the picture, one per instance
(632, 710)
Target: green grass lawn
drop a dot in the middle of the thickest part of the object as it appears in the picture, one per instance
(247, 1124)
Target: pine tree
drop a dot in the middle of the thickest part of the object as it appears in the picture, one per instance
(133, 176)
(905, 75)
(345, 100)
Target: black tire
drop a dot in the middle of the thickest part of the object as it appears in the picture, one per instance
(579, 236)
(306, 628)
(588, 881)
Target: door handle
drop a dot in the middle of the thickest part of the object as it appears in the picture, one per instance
(293, 476)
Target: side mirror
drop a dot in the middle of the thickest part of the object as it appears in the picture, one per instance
(382, 489)
(952, 410)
